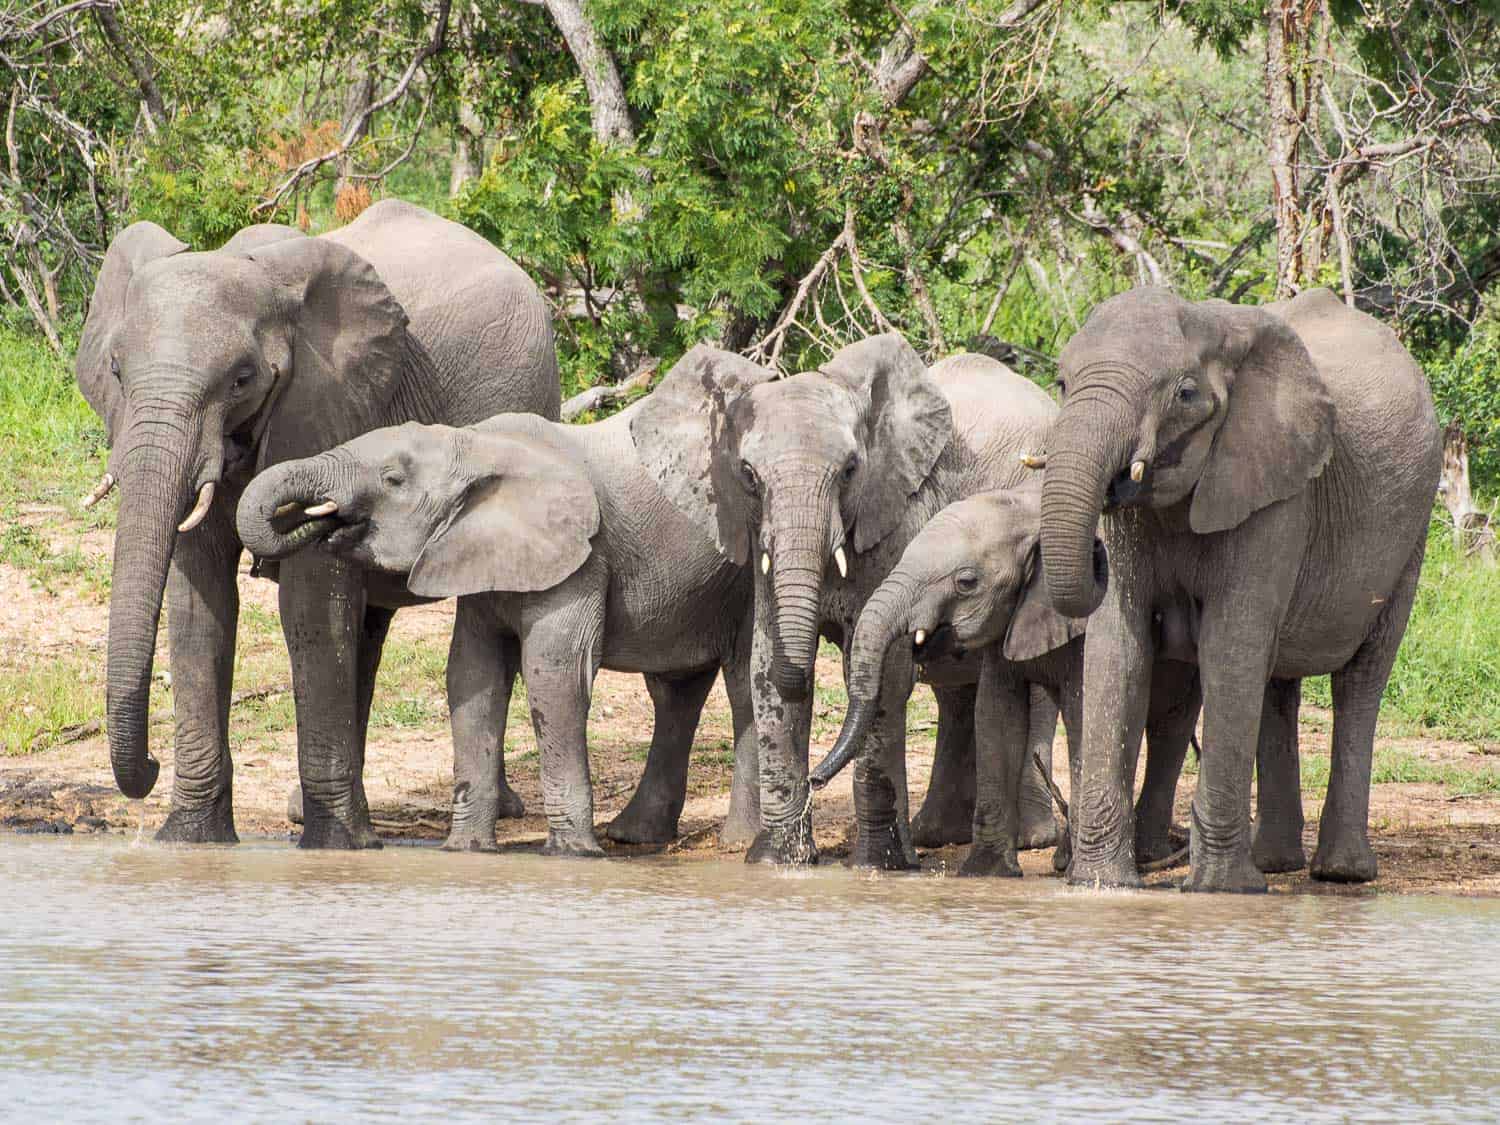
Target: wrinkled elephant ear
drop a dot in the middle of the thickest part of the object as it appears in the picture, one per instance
(133, 248)
(908, 422)
(1278, 432)
(684, 436)
(258, 236)
(523, 524)
(349, 347)
(1036, 628)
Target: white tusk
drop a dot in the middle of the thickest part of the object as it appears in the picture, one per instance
(921, 637)
(326, 508)
(101, 490)
(765, 563)
(1137, 471)
(1034, 460)
(200, 509)
(843, 563)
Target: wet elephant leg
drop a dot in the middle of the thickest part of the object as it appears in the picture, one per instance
(1277, 845)
(947, 812)
(373, 631)
(651, 816)
(482, 667)
(1002, 720)
(322, 616)
(1344, 854)
(782, 727)
(743, 821)
(1173, 715)
(203, 605)
(1070, 703)
(882, 821)
(1038, 825)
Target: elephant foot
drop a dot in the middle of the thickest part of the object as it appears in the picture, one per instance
(471, 838)
(572, 845)
(329, 834)
(882, 850)
(644, 822)
(213, 824)
(1275, 857)
(1153, 845)
(1117, 871)
(511, 805)
(740, 828)
(1038, 830)
(942, 820)
(991, 862)
(1064, 854)
(1221, 874)
(782, 847)
(1351, 861)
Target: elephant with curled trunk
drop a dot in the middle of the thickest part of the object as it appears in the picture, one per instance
(565, 557)
(972, 581)
(818, 482)
(1272, 469)
(209, 366)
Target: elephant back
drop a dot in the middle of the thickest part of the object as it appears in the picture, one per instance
(997, 416)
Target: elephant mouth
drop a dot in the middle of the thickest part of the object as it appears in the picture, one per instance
(939, 644)
(297, 529)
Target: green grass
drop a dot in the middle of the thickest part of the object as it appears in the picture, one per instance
(42, 699)
(1396, 766)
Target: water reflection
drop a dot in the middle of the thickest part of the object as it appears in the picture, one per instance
(264, 982)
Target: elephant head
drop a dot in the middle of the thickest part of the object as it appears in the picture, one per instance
(1165, 402)
(972, 577)
(461, 511)
(203, 365)
(796, 471)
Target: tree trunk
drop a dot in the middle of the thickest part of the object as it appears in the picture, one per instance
(1473, 531)
(357, 99)
(1294, 76)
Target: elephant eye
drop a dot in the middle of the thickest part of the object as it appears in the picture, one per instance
(966, 581)
(748, 473)
(1188, 392)
(1062, 387)
(242, 377)
(849, 469)
(114, 367)
(392, 478)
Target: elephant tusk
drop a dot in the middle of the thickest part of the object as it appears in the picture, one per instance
(1034, 460)
(200, 509)
(841, 561)
(765, 563)
(326, 508)
(1138, 471)
(921, 637)
(101, 490)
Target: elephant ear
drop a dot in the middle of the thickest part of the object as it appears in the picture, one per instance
(684, 436)
(133, 248)
(1035, 627)
(349, 347)
(523, 524)
(908, 424)
(1277, 433)
(260, 235)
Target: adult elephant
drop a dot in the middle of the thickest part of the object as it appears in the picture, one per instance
(207, 367)
(1272, 469)
(820, 480)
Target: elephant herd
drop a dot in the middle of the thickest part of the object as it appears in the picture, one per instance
(372, 413)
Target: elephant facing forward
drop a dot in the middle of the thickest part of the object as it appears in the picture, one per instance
(1273, 470)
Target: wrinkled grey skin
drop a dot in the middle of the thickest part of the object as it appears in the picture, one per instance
(972, 581)
(852, 458)
(1290, 459)
(207, 366)
(565, 558)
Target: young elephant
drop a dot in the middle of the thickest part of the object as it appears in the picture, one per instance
(972, 581)
(565, 557)
(1273, 469)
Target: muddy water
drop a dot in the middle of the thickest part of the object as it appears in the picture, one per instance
(259, 982)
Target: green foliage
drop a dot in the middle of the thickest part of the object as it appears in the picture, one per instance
(1466, 389)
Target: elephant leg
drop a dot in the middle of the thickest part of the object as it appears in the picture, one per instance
(782, 728)
(322, 616)
(203, 606)
(1002, 718)
(1277, 844)
(1070, 703)
(1175, 701)
(482, 667)
(655, 807)
(375, 626)
(743, 821)
(1038, 825)
(1344, 854)
(559, 659)
(947, 812)
(882, 825)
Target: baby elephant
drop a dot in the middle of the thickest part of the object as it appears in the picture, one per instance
(565, 557)
(972, 581)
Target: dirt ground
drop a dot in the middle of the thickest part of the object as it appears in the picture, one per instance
(1429, 840)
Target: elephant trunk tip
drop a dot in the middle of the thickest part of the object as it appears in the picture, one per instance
(851, 737)
(791, 681)
(1081, 603)
(137, 782)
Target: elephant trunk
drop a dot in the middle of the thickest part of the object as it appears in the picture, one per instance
(158, 481)
(1085, 452)
(799, 555)
(273, 519)
(885, 618)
